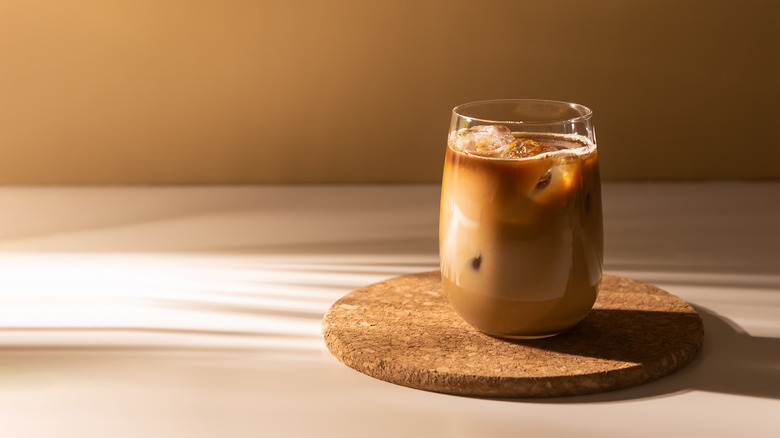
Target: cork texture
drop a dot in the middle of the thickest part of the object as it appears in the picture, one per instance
(403, 331)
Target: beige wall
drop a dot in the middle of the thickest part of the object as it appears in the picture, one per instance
(237, 91)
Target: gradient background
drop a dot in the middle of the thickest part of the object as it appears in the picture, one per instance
(238, 91)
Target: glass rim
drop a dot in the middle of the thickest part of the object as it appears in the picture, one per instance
(587, 113)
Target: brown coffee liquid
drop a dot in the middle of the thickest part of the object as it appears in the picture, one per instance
(521, 240)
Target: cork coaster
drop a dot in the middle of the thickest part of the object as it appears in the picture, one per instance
(403, 331)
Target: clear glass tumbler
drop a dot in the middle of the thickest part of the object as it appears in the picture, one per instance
(520, 231)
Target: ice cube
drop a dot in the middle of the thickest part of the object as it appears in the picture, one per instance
(526, 147)
(482, 139)
(533, 147)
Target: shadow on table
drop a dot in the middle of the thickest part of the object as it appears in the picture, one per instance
(730, 362)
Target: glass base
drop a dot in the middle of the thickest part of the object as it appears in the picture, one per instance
(524, 338)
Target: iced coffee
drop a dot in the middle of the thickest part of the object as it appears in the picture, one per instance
(520, 228)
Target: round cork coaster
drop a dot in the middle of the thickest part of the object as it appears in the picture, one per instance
(403, 331)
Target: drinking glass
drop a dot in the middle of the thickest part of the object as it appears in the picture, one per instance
(520, 231)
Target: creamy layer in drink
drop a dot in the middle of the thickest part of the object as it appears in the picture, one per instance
(520, 230)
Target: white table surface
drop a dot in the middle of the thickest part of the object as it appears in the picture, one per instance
(195, 312)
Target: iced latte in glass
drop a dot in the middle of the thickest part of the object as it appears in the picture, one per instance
(520, 232)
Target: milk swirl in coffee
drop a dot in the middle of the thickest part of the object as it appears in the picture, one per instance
(521, 237)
